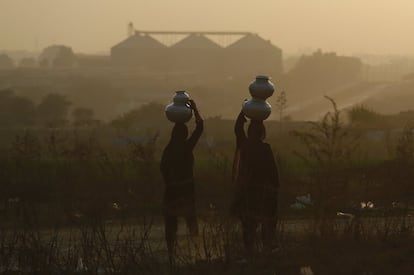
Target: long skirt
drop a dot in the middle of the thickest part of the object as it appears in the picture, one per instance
(179, 198)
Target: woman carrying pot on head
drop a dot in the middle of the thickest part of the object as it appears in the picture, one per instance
(177, 171)
(256, 175)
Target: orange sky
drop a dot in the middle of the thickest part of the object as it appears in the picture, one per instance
(345, 26)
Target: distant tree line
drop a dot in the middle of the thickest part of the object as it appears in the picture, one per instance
(52, 111)
(6, 62)
(55, 56)
(315, 74)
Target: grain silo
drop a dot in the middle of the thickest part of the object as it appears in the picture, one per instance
(141, 51)
(252, 55)
(196, 54)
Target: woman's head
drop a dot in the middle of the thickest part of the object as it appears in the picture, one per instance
(179, 132)
(256, 130)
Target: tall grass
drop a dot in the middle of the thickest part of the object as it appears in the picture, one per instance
(73, 204)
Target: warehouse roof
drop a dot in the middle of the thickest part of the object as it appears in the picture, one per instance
(252, 41)
(196, 41)
(142, 41)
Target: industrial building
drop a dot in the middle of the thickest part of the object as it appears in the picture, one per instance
(197, 53)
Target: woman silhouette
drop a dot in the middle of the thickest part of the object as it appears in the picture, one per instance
(177, 170)
(257, 180)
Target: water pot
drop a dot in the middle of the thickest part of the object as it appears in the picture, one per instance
(261, 87)
(257, 108)
(179, 110)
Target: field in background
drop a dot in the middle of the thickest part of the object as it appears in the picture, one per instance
(88, 199)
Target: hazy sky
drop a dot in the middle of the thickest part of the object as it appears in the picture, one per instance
(345, 26)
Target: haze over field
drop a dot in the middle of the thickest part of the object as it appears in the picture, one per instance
(97, 167)
(357, 52)
(346, 27)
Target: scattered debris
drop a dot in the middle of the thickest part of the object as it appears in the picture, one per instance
(302, 202)
(342, 214)
(306, 270)
(367, 205)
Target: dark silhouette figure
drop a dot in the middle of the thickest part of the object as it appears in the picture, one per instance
(257, 179)
(177, 170)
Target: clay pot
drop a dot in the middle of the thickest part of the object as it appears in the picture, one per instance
(261, 87)
(179, 110)
(258, 108)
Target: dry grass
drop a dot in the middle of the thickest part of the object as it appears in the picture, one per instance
(71, 204)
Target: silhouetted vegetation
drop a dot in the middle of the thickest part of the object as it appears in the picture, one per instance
(53, 110)
(315, 74)
(362, 115)
(81, 189)
(6, 62)
(83, 117)
(57, 56)
(150, 114)
(27, 62)
(15, 111)
(96, 192)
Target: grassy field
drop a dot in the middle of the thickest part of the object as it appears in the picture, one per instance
(88, 201)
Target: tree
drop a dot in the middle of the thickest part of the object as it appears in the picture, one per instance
(15, 111)
(57, 56)
(23, 111)
(83, 116)
(361, 114)
(319, 72)
(281, 105)
(150, 114)
(44, 63)
(64, 58)
(6, 62)
(6, 98)
(53, 110)
(404, 149)
(27, 62)
(329, 147)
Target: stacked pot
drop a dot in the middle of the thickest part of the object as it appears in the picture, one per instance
(257, 108)
(179, 111)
